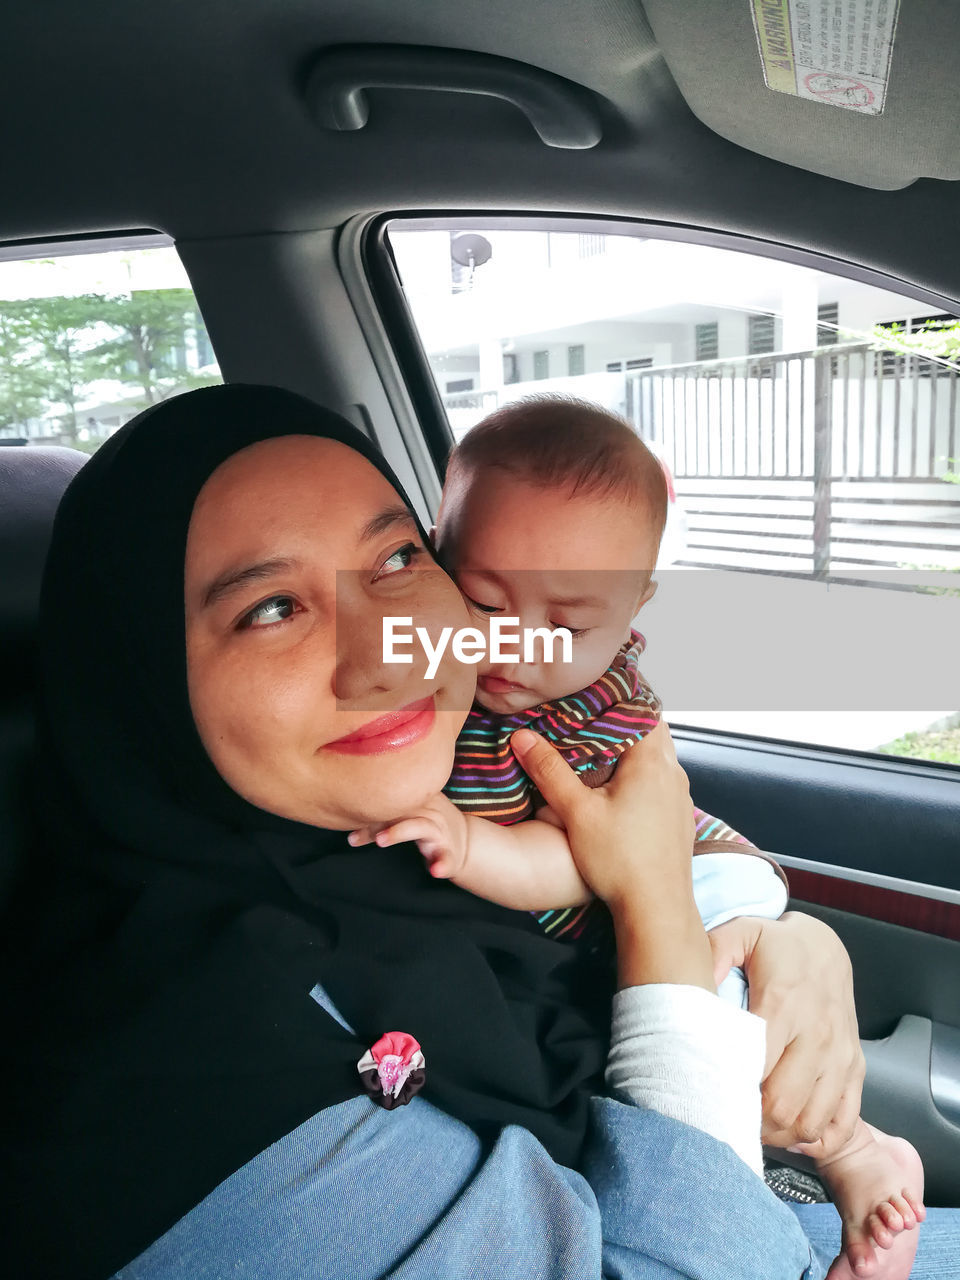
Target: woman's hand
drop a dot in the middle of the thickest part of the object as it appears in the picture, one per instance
(801, 983)
(631, 841)
(637, 829)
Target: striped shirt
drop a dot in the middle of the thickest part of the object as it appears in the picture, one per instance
(591, 729)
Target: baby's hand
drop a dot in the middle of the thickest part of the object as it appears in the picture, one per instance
(440, 832)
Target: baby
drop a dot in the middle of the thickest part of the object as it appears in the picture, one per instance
(566, 486)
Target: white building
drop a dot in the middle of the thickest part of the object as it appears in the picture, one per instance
(569, 310)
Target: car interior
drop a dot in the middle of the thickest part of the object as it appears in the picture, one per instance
(279, 147)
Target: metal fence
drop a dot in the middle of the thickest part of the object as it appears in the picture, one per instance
(826, 462)
(871, 414)
(845, 445)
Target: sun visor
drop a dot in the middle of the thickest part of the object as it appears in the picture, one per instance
(865, 91)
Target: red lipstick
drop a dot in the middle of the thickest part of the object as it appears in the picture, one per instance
(396, 729)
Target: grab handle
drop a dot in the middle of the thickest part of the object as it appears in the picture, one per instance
(561, 112)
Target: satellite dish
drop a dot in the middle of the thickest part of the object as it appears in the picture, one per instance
(470, 250)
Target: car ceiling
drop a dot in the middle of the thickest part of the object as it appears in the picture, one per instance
(190, 116)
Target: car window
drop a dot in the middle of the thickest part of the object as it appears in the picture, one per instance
(89, 338)
(810, 426)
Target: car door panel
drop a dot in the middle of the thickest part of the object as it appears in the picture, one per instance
(870, 813)
(872, 848)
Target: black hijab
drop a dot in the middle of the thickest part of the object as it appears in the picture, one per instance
(170, 932)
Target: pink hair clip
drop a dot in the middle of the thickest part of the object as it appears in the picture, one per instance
(392, 1070)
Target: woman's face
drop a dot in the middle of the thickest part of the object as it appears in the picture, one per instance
(296, 551)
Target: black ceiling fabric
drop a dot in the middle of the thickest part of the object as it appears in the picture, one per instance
(221, 142)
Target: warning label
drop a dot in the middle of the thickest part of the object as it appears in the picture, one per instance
(834, 51)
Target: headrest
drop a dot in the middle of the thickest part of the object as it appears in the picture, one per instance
(32, 481)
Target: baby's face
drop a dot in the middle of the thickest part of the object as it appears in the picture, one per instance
(551, 560)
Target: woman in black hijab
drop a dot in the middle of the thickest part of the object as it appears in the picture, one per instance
(194, 883)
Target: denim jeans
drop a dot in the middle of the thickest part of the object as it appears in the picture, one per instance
(359, 1193)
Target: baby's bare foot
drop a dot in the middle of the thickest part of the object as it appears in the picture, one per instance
(877, 1185)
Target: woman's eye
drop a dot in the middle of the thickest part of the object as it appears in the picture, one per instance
(401, 559)
(276, 609)
(575, 632)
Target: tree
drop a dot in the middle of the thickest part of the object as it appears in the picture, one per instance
(53, 351)
(56, 339)
(149, 344)
(936, 340)
(21, 384)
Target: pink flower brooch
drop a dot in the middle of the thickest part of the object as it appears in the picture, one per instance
(392, 1070)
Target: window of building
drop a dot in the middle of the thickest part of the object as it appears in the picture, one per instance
(459, 384)
(576, 360)
(707, 341)
(917, 324)
(827, 318)
(541, 365)
(760, 335)
(88, 340)
(637, 362)
(511, 368)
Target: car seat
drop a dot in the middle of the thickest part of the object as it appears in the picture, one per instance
(32, 481)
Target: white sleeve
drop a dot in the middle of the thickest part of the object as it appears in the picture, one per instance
(726, 885)
(685, 1053)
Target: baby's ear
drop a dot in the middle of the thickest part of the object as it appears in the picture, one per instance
(649, 591)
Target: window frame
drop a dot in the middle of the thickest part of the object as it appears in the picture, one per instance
(84, 245)
(383, 288)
